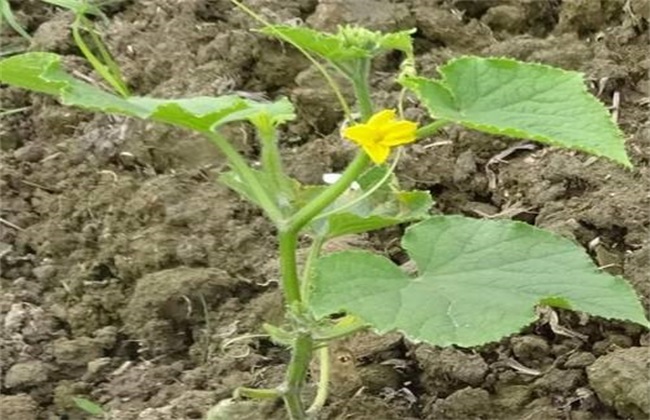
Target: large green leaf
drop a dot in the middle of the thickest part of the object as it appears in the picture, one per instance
(42, 72)
(368, 208)
(522, 100)
(478, 281)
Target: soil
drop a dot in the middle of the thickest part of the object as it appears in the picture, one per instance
(132, 278)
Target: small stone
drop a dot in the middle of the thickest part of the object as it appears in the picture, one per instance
(44, 272)
(622, 379)
(29, 153)
(580, 360)
(27, 374)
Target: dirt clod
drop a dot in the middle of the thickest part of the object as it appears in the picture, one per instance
(530, 348)
(580, 359)
(622, 379)
(440, 366)
(18, 407)
(76, 353)
(26, 374)
(29, 153)
(463, 404)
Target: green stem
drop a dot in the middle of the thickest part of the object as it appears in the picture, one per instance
(302, 347)
(106, 69)
(272, 165)
(344, 327)
(362, 90)
(257, 393)
(367, 193)
(314, 251)
(296, 373)
(288, 267)
(238, 164)
(354, 169)
(324, 199)
(430, 129)
(323, 381)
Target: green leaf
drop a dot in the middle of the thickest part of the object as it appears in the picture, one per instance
(259, 113)
(372, 214)
(327, 46)
(42, 72)
(522, 100)
(478, 282)
(363, 210)
(400, 41)
(88, 406)
(232, 181)
(349, 43)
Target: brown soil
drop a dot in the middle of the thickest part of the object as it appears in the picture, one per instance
(127, 269)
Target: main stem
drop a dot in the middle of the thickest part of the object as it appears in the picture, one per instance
(302, 349)
(301, 355)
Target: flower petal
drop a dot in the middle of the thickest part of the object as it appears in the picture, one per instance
(361, 134)
(381, 118)
(377, 152)
(400, 132)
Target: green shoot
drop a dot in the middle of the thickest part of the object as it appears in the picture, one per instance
(104, 64)
(7, 15)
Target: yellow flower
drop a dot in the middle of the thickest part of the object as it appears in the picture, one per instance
(380, 133)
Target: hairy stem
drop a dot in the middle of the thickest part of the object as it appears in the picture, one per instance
(430, 129)
(362, 90)
(257, 393)
(272, 165)
(289, 268)
(324, 199)
(296, 373)
(314, 251)
(238, 164)
(302, 348)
